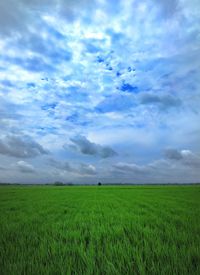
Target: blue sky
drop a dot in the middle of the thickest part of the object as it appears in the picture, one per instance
(100, 91)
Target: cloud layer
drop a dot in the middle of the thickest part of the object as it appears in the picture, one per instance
(99, 90)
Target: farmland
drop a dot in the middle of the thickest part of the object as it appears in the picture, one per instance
(100, 230)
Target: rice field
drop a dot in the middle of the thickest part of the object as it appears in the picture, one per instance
(99, 230)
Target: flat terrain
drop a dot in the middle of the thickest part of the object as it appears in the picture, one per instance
(100, 230)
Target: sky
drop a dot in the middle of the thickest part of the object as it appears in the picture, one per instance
(100, 91)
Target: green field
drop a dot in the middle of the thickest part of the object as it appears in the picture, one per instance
(100, 230)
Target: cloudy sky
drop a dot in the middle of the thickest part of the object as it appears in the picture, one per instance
(100, 91)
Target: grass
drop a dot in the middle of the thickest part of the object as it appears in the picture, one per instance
(100, 230)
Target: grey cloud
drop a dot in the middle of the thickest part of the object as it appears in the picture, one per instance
(129, 167)
(170, 170)
(87, 169)
(10, 17)
(70, 9)
(82, 169)
(186, 157)
(163, 101)
(25, 167)
(15, 16)
(161, 163)
(190, 159)
(173, 154)
(60, 165)
(20, 147)
(84, 146)
(133, 173)
(193, 162)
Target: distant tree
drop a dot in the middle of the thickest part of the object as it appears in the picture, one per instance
(99, 183)
(58, 183)
(69, 184)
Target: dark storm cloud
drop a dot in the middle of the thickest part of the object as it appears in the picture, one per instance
(20, 147)
(84, 146)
